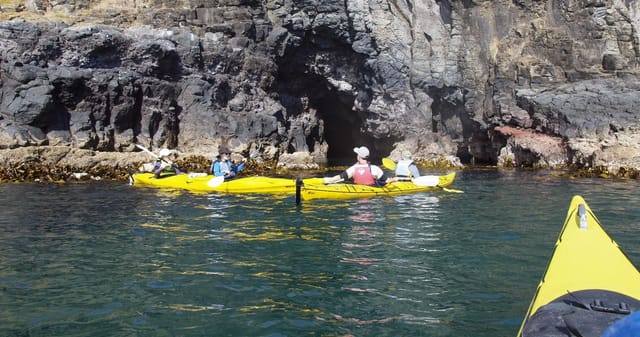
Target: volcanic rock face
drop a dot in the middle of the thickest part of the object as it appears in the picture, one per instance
(461, 80)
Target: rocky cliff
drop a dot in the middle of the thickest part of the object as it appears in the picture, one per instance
(513, 83)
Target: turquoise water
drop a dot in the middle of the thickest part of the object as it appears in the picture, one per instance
(108, 259)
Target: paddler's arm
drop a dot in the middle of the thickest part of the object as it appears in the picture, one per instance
(413, 169)
(381, 177)
(239, 167)
(337, 178)
(216, 169)
(157, 168)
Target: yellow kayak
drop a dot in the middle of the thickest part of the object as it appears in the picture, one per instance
(315, 190)
(589, 282)
(210, 183)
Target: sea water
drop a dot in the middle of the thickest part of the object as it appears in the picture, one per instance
(109, 259)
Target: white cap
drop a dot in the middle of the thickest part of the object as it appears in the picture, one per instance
(165, 152)
(362, 151)
(406, 154)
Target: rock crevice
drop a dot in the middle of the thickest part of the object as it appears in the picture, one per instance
(443, 79)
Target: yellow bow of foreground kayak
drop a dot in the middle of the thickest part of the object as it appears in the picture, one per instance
(589, 282)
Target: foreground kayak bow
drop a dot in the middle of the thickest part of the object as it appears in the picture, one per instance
(589, 283)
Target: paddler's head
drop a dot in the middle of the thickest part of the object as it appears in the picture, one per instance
(164, 153)
(362, 153)
(224, 152)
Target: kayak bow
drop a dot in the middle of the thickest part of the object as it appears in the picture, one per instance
(589, 282)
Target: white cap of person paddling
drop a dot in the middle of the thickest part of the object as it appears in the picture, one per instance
(362, 172)
(164, 163)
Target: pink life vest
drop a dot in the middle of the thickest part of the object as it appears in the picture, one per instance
(362, 175)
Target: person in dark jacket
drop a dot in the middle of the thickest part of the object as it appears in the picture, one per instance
(164, 164)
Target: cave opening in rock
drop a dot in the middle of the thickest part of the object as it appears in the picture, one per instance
(342, 125)
(301, 90)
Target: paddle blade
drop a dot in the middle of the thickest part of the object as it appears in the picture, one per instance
(146, 150)
(215, 181)
(426, 180)
(388, 163)
(452, 190)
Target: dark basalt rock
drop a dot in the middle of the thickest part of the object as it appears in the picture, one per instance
(322, 77)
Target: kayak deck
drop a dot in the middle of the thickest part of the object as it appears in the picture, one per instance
(585, 258)
(339, 191)
(210, 183)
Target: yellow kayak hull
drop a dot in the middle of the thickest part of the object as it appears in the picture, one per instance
(340, 191)
(585, 258)
(205, 183)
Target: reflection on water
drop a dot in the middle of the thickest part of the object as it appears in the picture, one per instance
(105, 259)
(364, 211)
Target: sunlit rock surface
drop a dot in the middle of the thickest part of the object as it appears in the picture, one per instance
(514, 83)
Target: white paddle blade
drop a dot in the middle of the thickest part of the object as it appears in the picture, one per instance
(215, 181)
(426, 181)
(146, 150)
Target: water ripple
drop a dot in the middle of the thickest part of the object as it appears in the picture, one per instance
(105, 259)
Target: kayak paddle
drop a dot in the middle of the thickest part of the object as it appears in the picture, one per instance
(151, 153)
(388, 164)
(430, 181)
(426, 181)
(146, 150)
(215, 181)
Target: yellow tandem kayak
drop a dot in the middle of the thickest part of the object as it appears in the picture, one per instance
(311, 188)
(315, 190)
(589, 282)
(210, 183)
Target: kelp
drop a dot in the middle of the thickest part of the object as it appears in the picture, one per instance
(39, 172)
